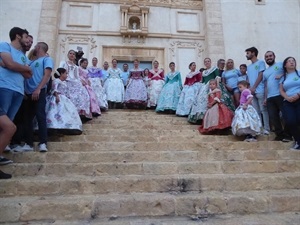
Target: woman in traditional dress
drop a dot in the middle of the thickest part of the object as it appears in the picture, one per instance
(113, 86)
(83, 74)
(136, 91)
(62, 114)
(169, 96)
(200, 104)
(190, 89)
(156, 82)
(218, 116)
(76, 91)
(96, 78)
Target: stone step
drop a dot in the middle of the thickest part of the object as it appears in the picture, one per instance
(138, 125)
(153, 168)
(203, 218)
(84, 185)
(139, 205)
(149, 132)
(210, 143)
(152, 156)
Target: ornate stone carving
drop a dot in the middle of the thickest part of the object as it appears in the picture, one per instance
(90, 41)
(180, 44)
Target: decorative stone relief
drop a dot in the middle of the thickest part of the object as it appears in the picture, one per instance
(179, 44)
(80, 40)
(180, 3)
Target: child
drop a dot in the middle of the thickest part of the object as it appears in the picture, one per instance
(246, 121)
(218, 116)
(61, 112)
(243, 73)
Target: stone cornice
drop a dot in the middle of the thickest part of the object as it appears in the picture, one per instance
(178, 4)
(118, 34)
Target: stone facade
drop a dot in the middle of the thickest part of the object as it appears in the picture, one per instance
(175, 30)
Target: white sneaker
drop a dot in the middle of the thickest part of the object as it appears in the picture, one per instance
(18, 148)
(266, 132)
(27, 148)
(43, 147)
(7, 149)
(295, 147)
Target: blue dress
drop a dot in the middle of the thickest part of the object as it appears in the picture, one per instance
(169, 96)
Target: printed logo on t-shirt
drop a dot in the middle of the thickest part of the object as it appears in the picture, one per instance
(256, 67)
(276, 68)
(296, 78)
(23, 59)
(37, 64)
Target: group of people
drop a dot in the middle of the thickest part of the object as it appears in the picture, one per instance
(214, 97)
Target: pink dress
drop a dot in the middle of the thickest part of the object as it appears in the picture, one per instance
(83, 74)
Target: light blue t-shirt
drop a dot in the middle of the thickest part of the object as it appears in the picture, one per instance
(252, 71)
(291, 85)
(231, 77)
(272, 83)
(124, 76)
(38, 67)
(10, 79)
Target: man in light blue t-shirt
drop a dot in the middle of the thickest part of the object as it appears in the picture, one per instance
(255, 77)
(125, 74)
(105, 70)
(36, 90)
(274, 101)
(13, 70)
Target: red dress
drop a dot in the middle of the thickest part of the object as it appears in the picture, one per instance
(217, 117)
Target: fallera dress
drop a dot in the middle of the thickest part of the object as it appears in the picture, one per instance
(246, 121)
(200, 104)
(96, 78)
(169, 96)
(136, 91)
(187, 97)
(62, 116)
(217, 117)
(83, 74)
(78, 95)
(156, 82)
(113, 86)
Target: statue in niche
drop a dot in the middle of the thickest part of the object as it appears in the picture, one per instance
(134, 25)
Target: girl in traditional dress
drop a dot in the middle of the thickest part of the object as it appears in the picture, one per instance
(156, 82)
(83, 74)
(76, 91)
(113, 86)
(200, 104)
(246, 121)
(62, 114)
(169, 96)
(190, 89)
(136, 91)
(218, 116)
(96, 79)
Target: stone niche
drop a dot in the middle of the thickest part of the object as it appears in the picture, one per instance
(134, 22)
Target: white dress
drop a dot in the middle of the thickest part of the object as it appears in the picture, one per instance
(113, 86)
(63, 115)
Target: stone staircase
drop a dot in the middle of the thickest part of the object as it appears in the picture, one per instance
(142, 168)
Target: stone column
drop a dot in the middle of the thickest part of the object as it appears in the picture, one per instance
(214, 38)
(49, 24)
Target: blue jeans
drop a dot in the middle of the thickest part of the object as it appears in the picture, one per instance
(291, 116)
(35, 109)
(10, 102)
(258, 104)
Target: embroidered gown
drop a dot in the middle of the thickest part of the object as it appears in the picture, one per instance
(187, 97)
(63, 115)
(136, 91)
(169, 96)
(113, 86)
(246, 121)
(217, 117)
(156, 82)
(96, 78)
(83, 74)
(200, 105)
(76, 92)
